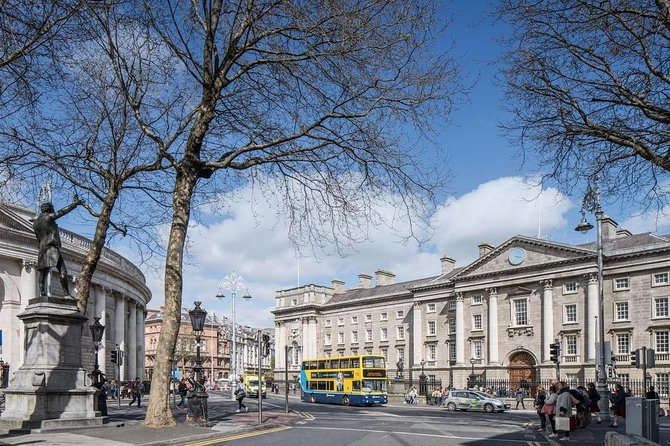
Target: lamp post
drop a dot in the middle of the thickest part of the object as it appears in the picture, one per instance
(422, 379)
(197, 402)
(234, 283)
(472, 372)
(591, 203)
(97, 330)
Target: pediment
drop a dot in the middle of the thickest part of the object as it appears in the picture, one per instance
(520, 253)
(16, 219)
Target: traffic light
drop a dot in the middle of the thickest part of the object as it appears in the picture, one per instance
(554, 351)
(635, 358)
(266, 345)
(115, 356)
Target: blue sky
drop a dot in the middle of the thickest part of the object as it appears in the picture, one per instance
(492, 198)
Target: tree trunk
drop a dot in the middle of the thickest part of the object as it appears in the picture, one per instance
(159, 413)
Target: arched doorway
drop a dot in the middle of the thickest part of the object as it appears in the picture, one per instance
(522, 372)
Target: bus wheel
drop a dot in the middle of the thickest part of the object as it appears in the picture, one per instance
(312, 399)
(345, 400)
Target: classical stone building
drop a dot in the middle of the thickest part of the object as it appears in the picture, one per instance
(118, 295)
(496, 316)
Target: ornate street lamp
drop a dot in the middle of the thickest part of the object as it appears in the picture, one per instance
(197, 402)
(591, 203)
(234, 283)
(472, 373)
(422, 379)
(97, 331)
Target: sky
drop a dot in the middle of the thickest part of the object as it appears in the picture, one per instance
(493, 196)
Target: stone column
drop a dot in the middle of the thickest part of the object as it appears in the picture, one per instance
(15, 330)
(120, 328)
(591, 313)
(493, 326)
(460, 330)
(101, 312)
(307, 343)
(132, 341)
(139, 339)
(547, 318)
(313, 337)
(417, 335)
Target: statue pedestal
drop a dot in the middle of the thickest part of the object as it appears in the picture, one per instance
(49, 391)
(397, 386)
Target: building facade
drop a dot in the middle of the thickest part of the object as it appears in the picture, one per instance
(118, 295)
(496, 317)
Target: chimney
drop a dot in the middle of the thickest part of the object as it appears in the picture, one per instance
(623, 233)
(338, 286)
(608, 227)
(484, 248)
(364, 281)
(446, 264)
(384, 277)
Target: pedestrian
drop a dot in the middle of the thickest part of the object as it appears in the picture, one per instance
(240, 394)
(540, 398)
(519, 398)
(437, 396)
(135, 389)
(651, 394)
(114, 389)
(583, 406)
(618, 399)
(563, 409)
(594, 396)
(183, 391)
(549, 409)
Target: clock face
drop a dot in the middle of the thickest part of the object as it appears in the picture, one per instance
(517, 256)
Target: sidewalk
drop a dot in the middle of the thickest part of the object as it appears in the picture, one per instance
(125, 427)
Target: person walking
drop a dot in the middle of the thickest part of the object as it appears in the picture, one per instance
(618, 399)
(549, 409)
(564, 409)
(540, 398)
(519, 398)
(135, 392)
(240, 394)
(183, 391)
(651, 394)
(594, 397)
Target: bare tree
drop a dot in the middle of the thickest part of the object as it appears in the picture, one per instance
(319, 101)
(588, 85)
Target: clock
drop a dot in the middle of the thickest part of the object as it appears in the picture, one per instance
(517, 256)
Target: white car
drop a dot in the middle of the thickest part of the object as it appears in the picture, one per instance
(472, 400)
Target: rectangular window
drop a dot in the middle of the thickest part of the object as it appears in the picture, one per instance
(477, 349)
(661, 307)
(340, 338)
(384, 334)
(621, 311)
(660, 279)
(400, 354)
(570, 288)
(368, 318)
(385, 354)
(452, 326)
(383, 316)
(621, 284)
(520, 312)
(622, 343)
(431, 352)
(368, 335)
(340, 321)
(476, 322)
(571, 345)
(431, 328)
(663, 384)
(452, 351)
(399, 314)
(570, 313)
(662, 341)
(477, 299)
(354, 319)
(452, 304)
(328, 340)
(327, 324)
(400, 332)
(430, 308)
(354, 337)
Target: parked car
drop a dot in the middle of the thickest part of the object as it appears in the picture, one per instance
(472, 400)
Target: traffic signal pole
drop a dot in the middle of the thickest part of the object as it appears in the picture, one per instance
(644, 368)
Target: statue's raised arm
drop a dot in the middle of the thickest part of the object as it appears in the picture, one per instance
(49, 244)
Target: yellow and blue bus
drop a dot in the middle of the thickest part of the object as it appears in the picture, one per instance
(357, 380)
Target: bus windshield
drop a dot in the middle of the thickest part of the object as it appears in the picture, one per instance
(373, 362)
(374, 385)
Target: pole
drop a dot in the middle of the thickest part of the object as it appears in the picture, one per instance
(602, 374)
(644, 369)
(260, 387)
(286, 374)
(233, 362)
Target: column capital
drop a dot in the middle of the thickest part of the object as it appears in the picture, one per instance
(493, 292)
(28, 263)
(459, 297)
(591, 278)
(417, 304)
(547, 284)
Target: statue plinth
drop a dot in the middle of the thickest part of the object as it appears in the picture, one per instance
(50, 389)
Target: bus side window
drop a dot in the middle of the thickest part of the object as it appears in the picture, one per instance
(355, 363)
(356, 385)
(334, 364)
(312, 385)
(345, 364)
(321, 365)
(326, 364)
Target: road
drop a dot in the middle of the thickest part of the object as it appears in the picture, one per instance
(391, 425)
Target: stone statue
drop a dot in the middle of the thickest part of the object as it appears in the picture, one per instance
(48, 239)
(399, 366)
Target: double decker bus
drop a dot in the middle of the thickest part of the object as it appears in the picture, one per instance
(357, 380)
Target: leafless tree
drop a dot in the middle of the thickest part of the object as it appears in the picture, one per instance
(587, 83)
